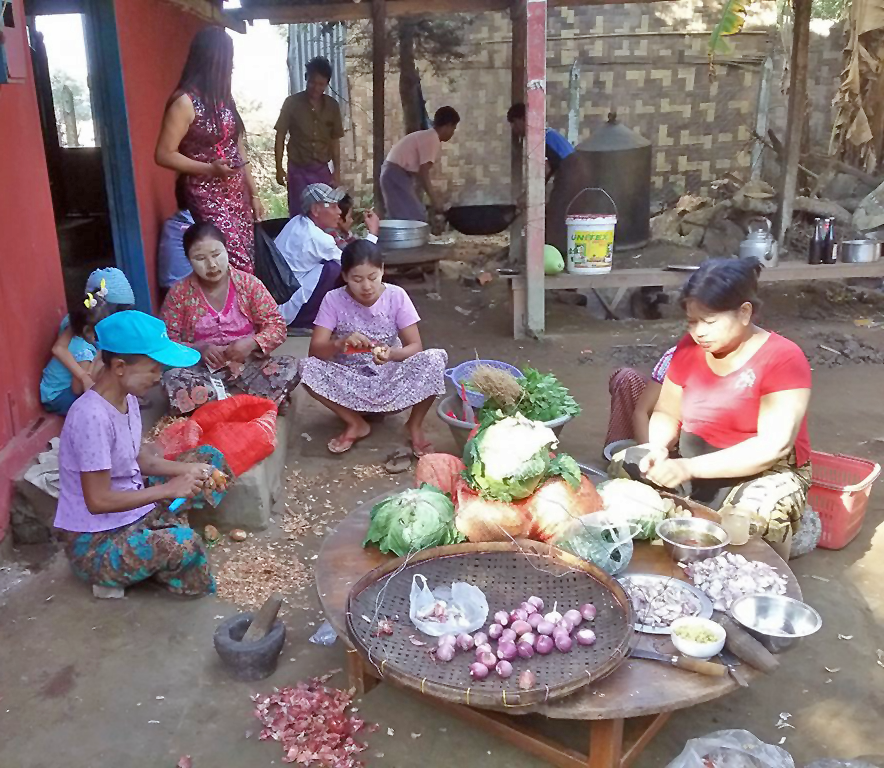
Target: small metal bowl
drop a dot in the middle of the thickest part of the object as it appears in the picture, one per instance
(677, 533)
(776, 621)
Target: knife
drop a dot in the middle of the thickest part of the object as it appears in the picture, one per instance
(732, 662)
(683, 662)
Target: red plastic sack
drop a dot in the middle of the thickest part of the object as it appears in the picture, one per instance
(178, 437)
(242, 427)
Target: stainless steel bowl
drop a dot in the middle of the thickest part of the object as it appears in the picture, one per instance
(859, 251)
(677, 533)
(396, 234)
(776, 621)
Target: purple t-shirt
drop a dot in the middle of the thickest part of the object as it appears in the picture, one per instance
(95, 437)
(394, 303)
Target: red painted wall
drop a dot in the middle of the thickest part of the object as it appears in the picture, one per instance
(31, 290)
(154, 40)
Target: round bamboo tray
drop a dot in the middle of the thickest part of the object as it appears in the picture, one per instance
(507, 573)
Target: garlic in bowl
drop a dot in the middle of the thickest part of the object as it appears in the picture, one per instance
(696, 637)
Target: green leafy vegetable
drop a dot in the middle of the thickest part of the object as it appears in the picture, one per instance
(413, 520)
(544, 398)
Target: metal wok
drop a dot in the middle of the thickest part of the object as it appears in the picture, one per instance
(481, 219)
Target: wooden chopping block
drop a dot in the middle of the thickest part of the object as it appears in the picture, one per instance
(264, 620)
(745, 647)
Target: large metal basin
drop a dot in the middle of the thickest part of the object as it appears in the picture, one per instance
(398, 234)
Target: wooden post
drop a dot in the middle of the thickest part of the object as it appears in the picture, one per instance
(794, 116)
(535, 146)
(378, 72)
(518, 14)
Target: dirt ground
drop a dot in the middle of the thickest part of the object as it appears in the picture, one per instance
(136, 682)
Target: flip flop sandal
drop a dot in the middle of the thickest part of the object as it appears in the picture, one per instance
(423, 450)
(399, 461)
(343, 445)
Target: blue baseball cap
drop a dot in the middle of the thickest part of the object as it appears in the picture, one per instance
(136, 333)
(118, 289)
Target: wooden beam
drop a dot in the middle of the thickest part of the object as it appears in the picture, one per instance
(794, 116)
(298, 14)
(535, 147)
(378, 72)
(209, 11)
(517, 147)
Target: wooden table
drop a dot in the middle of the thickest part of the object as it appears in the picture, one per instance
(624, 710)
(626, 279)
(424, 256)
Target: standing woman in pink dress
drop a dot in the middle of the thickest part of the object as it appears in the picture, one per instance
(203, 139)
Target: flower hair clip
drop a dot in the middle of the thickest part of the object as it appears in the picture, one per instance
(102, 289)
(90, 302)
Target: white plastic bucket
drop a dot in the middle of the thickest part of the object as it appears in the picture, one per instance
(590, 243)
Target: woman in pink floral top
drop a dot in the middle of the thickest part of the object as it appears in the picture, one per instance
(231, 318)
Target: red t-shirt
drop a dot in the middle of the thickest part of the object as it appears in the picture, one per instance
(723, 410)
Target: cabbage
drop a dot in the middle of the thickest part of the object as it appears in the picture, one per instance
(413, 520)
(637, 503)
(508, 459)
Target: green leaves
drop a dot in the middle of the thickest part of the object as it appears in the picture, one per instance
(544, 398)
(733, 16)
(413, 520)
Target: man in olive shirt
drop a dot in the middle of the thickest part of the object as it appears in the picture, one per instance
(312, 122)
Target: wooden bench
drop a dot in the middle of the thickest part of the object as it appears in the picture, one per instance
(624, 280)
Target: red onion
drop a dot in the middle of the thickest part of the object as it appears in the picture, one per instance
(534, 619)
(544, 645)
(447, 640)
(503, 668)
(502, 618)
(536, 602)
(564, 643)
(587, 611)
(585, 637)
(574, 617)
(478, 671)
(521, 627)
(464, 641)
(560, 632)
(480, 638)
(528, 637)
(528, 608)
(563, 623)
(506, 649)
(518, 615)
(545, 627)
(487, 658)
(494, 631)
(527, 680)
(484, 647)
(508, 635)
(445, 652)
(524, 648)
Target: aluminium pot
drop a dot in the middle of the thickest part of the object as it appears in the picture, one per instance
(859, 251)
(398, 234)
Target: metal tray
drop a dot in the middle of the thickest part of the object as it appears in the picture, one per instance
(651, 579)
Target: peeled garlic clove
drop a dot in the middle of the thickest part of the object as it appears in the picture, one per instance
(238, 534)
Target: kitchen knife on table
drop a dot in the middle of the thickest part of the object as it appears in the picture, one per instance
(682, 662)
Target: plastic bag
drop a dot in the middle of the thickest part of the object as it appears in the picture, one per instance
(731, 749)
(181, 435)
(447, 611)
(858, 762)
(600, 538)
(325, 635)
(271, 268)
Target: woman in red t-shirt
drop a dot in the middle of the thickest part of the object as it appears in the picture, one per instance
(734, 401)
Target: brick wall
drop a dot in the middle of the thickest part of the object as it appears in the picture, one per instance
(646, 60)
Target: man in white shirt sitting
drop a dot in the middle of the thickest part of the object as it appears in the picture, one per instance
(313, 254)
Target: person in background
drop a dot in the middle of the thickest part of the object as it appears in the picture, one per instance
(312, 122)
(59, 388)
(633, 397)
(342, 233)
(734, 402)
(557, 146)
(366, 354)
(203, 139)
(115, 531)
(313, 254)
(112, 286)
(408, 166)
(172, 263)
(231, 319)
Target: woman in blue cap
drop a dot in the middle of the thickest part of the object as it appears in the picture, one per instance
(116, 531)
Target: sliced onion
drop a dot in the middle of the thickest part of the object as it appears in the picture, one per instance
(587, 611)
(502, 618)
(534, 619)
(585, 637)
(536, 602)
(574, 617)
(487, 658)
(521, 627)
(545, 627)
(478, 671)
(445, 652)
(524, 648)
(480, 638)
(503, 668)
(528, 637)
(506, 649)
(563, 643)
(494, 631)
(508, 635)
(544, 645)
(465, 641)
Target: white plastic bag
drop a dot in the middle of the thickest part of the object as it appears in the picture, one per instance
(447, 611)
(731, 749)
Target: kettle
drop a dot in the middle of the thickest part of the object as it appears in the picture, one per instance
(760, 244)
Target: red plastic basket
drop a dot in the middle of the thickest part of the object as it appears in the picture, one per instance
(840, 494)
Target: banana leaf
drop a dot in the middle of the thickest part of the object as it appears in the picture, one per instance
(733, 16)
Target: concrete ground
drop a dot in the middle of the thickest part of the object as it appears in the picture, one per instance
(137, 683)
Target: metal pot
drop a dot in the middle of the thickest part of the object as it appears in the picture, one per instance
(859, 251)
(481, 219)
(398, 234)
